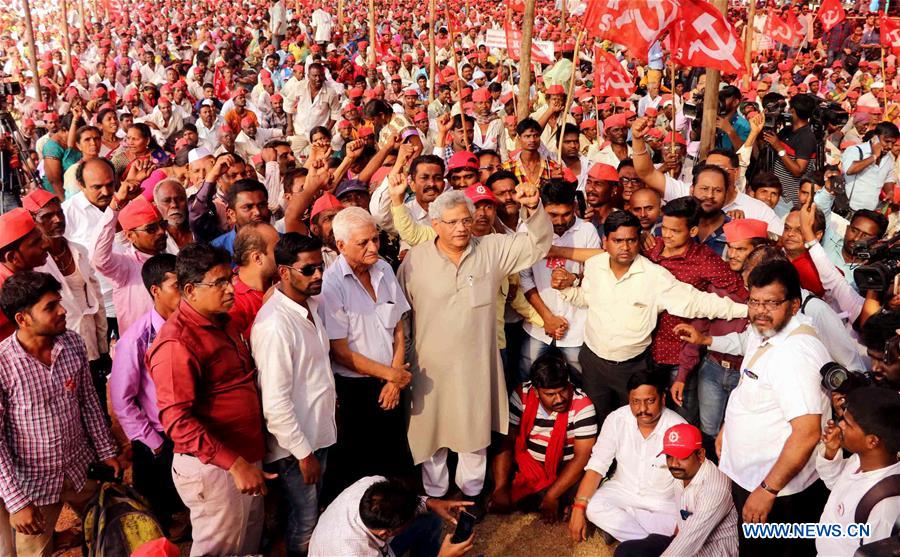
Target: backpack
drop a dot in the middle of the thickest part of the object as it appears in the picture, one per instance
(886, 487)
(117, 522)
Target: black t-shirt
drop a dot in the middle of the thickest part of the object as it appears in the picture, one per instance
(799, 144)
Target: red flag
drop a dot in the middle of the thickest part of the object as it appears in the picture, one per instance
(610, 78)
(635, 24)
(890, 34)
(830, 13)
(702, 37)
(452, 23)
(799, 29)
(780, 31)
(514, 46)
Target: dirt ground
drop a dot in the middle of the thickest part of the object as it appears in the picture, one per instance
(516, 535)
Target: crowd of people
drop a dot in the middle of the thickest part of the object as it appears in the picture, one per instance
(322, 301)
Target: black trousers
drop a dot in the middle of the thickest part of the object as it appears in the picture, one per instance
(100, 369)
(805, 506)
(651, 546)
(370, 441)
(605, 382)
(152, 477)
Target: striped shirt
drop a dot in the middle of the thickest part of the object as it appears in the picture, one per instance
(582, 423)
(708, 521)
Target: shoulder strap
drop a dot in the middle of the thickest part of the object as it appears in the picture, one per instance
(888, 486)
(806, 301)
(801, 330)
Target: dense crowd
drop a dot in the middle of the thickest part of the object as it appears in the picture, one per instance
(323, 295)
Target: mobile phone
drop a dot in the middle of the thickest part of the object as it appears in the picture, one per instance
(101, 472)
(464, 526)
(582, 205)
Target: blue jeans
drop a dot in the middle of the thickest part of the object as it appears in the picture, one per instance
(302, 502)
(716, 383)
(422, 538)
(532, 349)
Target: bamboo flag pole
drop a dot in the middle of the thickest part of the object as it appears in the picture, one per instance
(83, 32)
(432, 63)
(883, 74)
(748, 43)
(32, 52)
(65, 36)
(459, 99)
(674, 108)
(565, 113)
(525, 60)
(711, 101)
(371, 56)
(340, 10)
(505, 57)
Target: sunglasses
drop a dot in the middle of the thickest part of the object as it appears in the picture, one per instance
(307, 270)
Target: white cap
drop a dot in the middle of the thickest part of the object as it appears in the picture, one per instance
(208, 102)
(199, 153)
(877, 85)
(478, 74)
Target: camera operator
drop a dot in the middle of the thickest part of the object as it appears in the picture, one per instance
(883, 347)
(869, 167)
(733, 126)
(868, 431)
(794, 146)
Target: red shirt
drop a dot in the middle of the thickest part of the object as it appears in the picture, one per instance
(7, 327)
(703, 269)
(206, 389)
(247, 302)
(809, 276)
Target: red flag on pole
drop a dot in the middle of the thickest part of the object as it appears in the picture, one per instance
(890, 34)
(830, 13)
(517, 6)
(799, 29)
(635, 24)
(702, 37)
(778, 30)
(514, 46)
(610, 78)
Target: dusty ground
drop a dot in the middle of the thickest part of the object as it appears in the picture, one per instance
(516, 535)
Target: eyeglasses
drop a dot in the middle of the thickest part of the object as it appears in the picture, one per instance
(769, 305)
(307, 270)
(630, 180)
(466, 222)
(220, 284)
(152, 228)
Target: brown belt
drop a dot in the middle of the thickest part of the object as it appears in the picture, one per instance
(726, 361)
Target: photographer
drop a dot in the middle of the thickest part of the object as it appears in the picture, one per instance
(794, 146)
(868, 431)
(869, 167)
(883, 347)
(733, 126)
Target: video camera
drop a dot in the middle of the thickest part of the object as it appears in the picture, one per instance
(10, 88)
(882, 265)
(838, 379)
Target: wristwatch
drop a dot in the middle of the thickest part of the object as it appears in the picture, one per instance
(810, 244)
(765, 486)
(782, 153)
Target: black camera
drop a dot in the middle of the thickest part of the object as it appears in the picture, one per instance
(10, 88)
(882, 259)
(838, 379)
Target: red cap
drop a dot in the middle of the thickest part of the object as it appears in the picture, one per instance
(681, 441)
(744, 229)
(588, 124)
(365, 131)
(325, 202)
(37, 200)
(410, 93)
(602, 171)
(651, 112)
(481, 95)
(678, 138)
(477, 192)
(137, 213)
(462, 159)
(556, 90)
(615, 121)
(14, 225)
(420, 116)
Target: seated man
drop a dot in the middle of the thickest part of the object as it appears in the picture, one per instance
(707, 524)
(380, 517)
(641, 498)
(552, 428)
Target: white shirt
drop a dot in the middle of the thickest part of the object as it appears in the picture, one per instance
(786, 385)
(295, 379)
(752, 208)
(350, 313)
(83, 227)
(641, 470)
(321, 21)
(581, 235)
(311, 112)
(848, 485)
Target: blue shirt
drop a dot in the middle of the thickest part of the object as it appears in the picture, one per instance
(226, 241)
(741, 127)
(864, 187)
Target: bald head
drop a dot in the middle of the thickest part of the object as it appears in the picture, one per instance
(646, 205)
(97, 179)
(171, 200)
(254, 249)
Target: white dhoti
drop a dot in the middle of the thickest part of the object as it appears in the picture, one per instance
(470, 470)
(626, 516)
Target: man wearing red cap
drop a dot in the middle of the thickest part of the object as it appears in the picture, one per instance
(707, 522)
(615, 129)
(22, 248)
(488, 125)
(320, 216)
(599, 189)
(53, 427)
(462, 170)
(145, 230)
